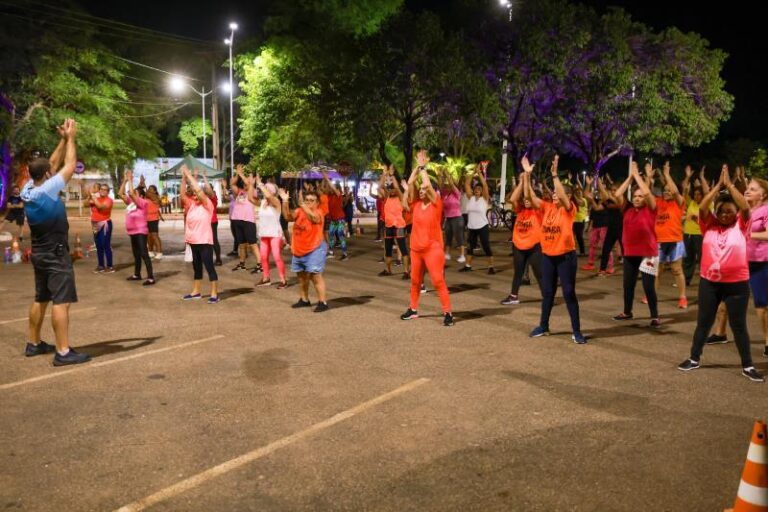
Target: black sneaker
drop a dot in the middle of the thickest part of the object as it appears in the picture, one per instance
(491, 271)
(752, 374)
(511, 300)
(134, 277)
(218, 263)
(239, 266)
(409, 314)
(406, 276)
(688, 364)
(465, 268)
(448, 320)
(623, 316)
(716, 339)
(99, 270)
(232, 253)
(321, 306)
(71, 357)
(39, 349)
(149, 282)
(302, 304)
(256, 269)
(385, 273)
(281, 285)
(344, 257)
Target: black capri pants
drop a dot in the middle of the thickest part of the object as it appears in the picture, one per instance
(391, 235)
(202, 255)
(484, 235)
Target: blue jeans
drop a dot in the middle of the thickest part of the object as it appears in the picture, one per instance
(562, 268)
(103, 240)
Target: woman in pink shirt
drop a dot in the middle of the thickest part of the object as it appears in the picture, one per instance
(757, 250)
(137, 227)
(199, 235)
(454, 222)
(724, 272)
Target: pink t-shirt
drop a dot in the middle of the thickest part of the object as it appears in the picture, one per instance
(639, 233)
(242, 209)
(724, 251)
(451, 202)
(757, 250)
(136, 217)
(197, 226)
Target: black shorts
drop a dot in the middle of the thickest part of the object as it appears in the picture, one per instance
(18, 219)
(54, 275)
(154, 226)
(245, 232)
(393, 232)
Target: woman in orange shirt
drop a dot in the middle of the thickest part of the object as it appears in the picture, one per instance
(101, 222)
(526, 237)
(427, 243)
(558, 247)
(394, 221)
(669, 233)
(153, 221)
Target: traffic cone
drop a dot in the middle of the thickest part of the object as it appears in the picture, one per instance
(752, 495)
(358, 229)
(78, 252)
(16, 251)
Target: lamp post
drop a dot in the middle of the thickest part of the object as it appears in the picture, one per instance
(231, 42)
(503, 184)
(177, 85)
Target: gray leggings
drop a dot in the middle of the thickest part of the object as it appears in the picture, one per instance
(454, 229)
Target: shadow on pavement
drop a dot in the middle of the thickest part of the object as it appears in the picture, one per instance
(234, 292)
(166, 274)
(466, 287)
(341, 302)
(105, 348)
(463, 316)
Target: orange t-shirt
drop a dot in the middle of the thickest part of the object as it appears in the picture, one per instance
(527, 231)
(153, 211)
(393, 213)
(427, 225)
(669, 221)
(324, 207)
(307, 236)
(101, 215)
(557, 229)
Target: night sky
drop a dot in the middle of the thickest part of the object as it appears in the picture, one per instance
(735, 27)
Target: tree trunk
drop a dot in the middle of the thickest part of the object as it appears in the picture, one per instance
(408, 147)
(383, 152)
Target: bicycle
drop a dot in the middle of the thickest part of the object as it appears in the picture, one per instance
(499, 216)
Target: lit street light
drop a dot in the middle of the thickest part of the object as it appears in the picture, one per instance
(178, 85)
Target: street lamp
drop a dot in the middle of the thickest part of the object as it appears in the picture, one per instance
(177, 85)
(231, 42)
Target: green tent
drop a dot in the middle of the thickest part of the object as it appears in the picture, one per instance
(174, 173)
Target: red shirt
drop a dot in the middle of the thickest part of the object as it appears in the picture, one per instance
(335, 207)
(103, 215)
(639, 233)
(427, 226)
(215, 201)
(669, 221)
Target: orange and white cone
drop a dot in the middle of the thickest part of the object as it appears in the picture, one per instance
(753, 489)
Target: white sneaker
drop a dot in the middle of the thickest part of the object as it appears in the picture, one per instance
(447, 256)
(158, 256)
(152, 254)
(461, 259)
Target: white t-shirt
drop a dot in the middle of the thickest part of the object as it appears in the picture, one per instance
(269, 220)
(476, 212)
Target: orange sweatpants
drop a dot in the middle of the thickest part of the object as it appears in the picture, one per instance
(433, 259)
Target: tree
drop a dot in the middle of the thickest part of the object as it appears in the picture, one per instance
(191, 133)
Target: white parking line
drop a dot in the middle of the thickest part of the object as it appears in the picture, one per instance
(48, 315)
(230, 465)
(90, 366)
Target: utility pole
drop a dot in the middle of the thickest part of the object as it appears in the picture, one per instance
(217, 164)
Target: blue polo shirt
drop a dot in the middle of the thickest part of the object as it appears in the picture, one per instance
(46, 214)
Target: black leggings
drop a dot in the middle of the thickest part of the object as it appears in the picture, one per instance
(216, 246)
(578, 232)
(379, 229)
(202, 254)
(736, 298)
(234, 237)
(484, 234)
(612, 235)
(631, 269)
(389, 245)
(521, 258)
(561, 267)
(140, 252)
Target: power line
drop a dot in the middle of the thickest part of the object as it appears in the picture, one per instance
(86, 18)
(157, 113)
(154, 69)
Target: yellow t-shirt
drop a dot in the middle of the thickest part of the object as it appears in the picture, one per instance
(582, 214)
(691, 227)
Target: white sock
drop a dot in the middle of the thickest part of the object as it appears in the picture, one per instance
(63, 353)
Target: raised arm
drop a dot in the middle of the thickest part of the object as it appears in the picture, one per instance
(517, 193)
(527, 185)
(58, 154)
(687, 182)
(131, 191)
(468, 185)
(705, 205)
(559, 189)
(669, 182)
(286, 207)
(121, 192)
(271, 199)
(618, 195)
(649, 199)
(486, 193)
(703, 180)
(382, 180)
(70, 158)
(426, 184)
(736, 194)
(183, 187)
(196, 188)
